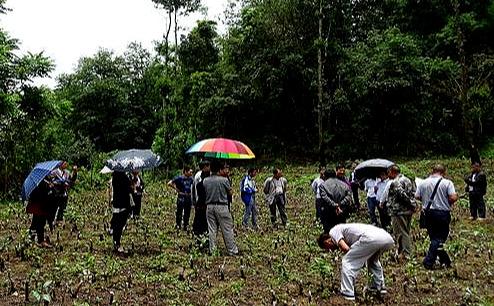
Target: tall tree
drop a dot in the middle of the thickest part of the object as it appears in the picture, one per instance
(175, 8)
(23, 108)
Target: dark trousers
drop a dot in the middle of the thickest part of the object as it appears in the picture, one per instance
(52, 212)
(356, 200)
(438, 230)
(372, 204)
(384, 217)
(136, 210)
(319, 203)
(37, 228)
(200, 223)
(329, 218)
(278, 202)
(477, 205)
(61, 207)
(184, 204)
(118, 222)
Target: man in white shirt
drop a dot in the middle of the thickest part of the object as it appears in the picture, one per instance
(315, 189)
(204, 166)
(372, 203)
(362, 244)
(381, 183)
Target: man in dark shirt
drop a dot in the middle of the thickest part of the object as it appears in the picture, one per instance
(476, 188)
(183, 185)
(121, 206)
(218, 189)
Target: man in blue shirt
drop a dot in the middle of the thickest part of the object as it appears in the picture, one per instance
(183, 185)
(248, 191)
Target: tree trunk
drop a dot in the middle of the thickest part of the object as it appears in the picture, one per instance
(176, 31)
(168, 35)
(467, 124)
(319, 89)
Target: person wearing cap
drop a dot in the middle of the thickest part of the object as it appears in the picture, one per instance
(362, 244)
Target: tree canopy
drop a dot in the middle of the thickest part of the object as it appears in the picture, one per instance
(293, 78)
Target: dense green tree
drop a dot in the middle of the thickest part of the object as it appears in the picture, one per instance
(189, 113)
(25, 110)
(114, 99)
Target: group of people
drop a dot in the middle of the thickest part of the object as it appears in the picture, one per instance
(210, 192)
(395, 196)
(48, 202)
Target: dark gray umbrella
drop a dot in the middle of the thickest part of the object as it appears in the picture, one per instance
(371, 168)
(134, 159)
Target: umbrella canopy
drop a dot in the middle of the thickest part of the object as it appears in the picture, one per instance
(134, 159)
(39, 172)
(372, 167)
(221, 148)
(106, 170)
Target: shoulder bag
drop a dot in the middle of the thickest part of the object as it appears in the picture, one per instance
(423, 214)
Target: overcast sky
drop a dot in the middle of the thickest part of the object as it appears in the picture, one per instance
(69, 29)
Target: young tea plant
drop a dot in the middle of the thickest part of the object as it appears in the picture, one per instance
(43, 294)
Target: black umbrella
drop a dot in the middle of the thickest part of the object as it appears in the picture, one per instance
(371, 168)
(134, 159)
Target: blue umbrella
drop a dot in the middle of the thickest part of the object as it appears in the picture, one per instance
(40, 171)
(134, 159)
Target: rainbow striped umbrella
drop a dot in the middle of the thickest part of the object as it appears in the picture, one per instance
(222, 148)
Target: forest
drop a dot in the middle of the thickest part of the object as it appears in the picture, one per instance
(295, 79)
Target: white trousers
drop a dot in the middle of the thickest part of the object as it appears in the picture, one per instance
(367, 249)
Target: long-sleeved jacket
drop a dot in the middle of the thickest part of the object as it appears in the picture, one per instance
(248, 189)
(399, 196)
(121, 190)
(336, 193)
(269, 188)
(479, 184)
